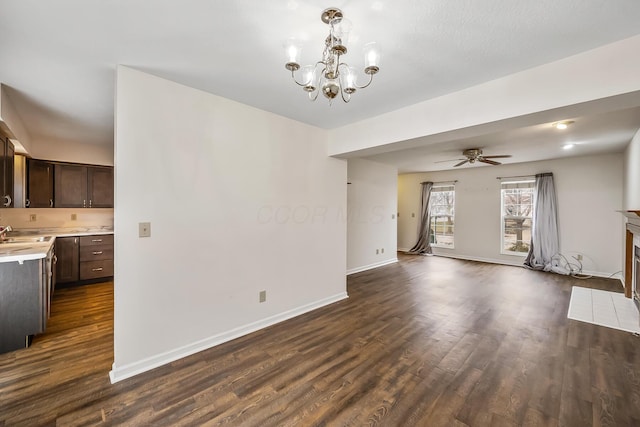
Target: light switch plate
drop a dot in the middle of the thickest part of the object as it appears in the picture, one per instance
(144, 229)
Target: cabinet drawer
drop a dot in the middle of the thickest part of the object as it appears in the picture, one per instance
(95, 269)
(103, 239)
(96, 253)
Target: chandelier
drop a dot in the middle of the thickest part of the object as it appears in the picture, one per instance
(329, 75)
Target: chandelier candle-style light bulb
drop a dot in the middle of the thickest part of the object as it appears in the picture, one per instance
(293, 48)
(329, 75)
(371, 58)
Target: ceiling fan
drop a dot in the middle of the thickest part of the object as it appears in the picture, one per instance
(475, 154)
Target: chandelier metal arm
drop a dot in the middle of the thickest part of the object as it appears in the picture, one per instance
(370, 80)
(293, 74)
(356, 86)
(314, 95)
(345, 99)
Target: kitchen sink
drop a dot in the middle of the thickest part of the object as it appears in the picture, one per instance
(26, 239)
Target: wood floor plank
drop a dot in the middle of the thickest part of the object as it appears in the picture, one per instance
(427, 341)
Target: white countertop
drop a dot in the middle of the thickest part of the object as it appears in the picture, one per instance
(25, 251)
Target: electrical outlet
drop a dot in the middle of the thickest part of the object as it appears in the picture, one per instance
(74, 217)
(413, 215)
(579, 257)
(382, 250)
(144, 229)
(393, 216)
(377, 251)
(32, 217)
(263, 296)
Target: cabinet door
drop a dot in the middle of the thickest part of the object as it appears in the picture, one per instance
(8, 170)
(100, 187)
(68, 255)
(40, 184)
(6, 173)
(70, 186)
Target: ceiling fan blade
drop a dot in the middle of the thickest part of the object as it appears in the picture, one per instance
(461, 163)
(491, 162)
(502, 156)
(450, 160)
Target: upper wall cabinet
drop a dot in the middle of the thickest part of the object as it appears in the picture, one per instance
(6, 172)
(100, 187)
(82, 186)
(39, 184)
(68, 185)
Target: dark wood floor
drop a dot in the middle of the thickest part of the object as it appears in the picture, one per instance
(427, 342)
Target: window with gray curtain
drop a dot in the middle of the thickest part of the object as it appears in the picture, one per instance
(545, 241)
(423, 245)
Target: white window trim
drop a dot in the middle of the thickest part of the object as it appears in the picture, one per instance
(530, 181)
(453, 188)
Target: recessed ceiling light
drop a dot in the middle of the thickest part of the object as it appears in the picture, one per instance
(562, 125)
(567, 146)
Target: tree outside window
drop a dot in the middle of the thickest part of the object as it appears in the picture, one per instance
(517, 211)
(442, 216)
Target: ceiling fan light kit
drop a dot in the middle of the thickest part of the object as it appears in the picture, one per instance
(329, 75)
(475, 154)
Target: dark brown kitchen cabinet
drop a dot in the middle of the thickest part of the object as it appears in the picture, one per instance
(68, 259)
(6, 172)
(39, 184)
(84, 258)
(82, 186)
(96, 256)
(100, 187)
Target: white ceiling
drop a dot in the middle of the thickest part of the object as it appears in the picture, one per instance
(58, 59)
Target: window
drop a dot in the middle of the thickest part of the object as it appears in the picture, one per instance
(442, 215)
(517, 209)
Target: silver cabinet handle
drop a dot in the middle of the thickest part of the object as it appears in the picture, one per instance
(84, 203)
(90, 202)
(7, 199)
(97, 269)
(97, 252)
(27, 203)
(96, 240)
(50, 203)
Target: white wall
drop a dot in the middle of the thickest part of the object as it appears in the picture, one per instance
(239, 200)
(69, 151)
(372, 204)
(589, 191)
(632, 174)
(12, 120)
(554, 91)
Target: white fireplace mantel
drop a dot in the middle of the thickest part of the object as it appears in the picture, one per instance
(632, 240)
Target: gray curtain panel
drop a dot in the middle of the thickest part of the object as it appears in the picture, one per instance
(544, 234)
(423, 246)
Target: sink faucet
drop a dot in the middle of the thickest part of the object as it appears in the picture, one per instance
(4, 230)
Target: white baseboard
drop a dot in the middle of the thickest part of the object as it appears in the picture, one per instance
(520, 263)
(403, 249)
(132, 369)
(370, 266)
(515, 263)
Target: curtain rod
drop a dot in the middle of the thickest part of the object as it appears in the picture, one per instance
(519, 176)
(440, 182)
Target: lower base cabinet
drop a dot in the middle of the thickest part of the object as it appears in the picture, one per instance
(25, 301)
(84, 258)
(68, 258)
